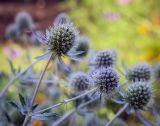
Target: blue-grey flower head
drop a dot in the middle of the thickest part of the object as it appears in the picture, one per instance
(12, 32)
(104, 58)
(106, 79)
(24, 21)
(82, 45)
(62, 18)
(138, 95)
(139, 72)
(80, 82)
(156, 70)
(61, 39)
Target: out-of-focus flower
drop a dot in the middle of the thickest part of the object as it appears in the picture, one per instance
(156, 20)
(12, 32)
(11, 53)
(144, 28)
(37, 123)
(24, 21)
(39, 99)
(111, 16)
(123, 2)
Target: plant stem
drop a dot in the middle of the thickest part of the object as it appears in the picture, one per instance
(66, 101)
(27, 118)
(117, 114)
(40, 79)
(4, 90)
(68, 114)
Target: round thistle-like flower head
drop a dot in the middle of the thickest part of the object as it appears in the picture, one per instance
(61, 38)
(82, 45)
(156, 69)
(12, 32)
(106, 79)
(139, 72)
(138, 95)
(24, 21)
(80, 82)
(105, 58)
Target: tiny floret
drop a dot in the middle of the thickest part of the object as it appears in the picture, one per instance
(138, 95)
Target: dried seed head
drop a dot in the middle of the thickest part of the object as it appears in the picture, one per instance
(139, 72)
(105, 58)
(80, 82)
(24, 21)
(138, 95)
(107, 80)
(82, 45)
(61, 38)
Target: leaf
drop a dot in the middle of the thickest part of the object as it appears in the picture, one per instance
(22, 100)
(34, 107)
(11, 66)
(14, 105)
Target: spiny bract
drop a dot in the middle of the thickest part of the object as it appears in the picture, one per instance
(156, 70)
(80, 82)
(104, 58)
(139, 72)
(107, 80)
(61, 38)
(138, 95)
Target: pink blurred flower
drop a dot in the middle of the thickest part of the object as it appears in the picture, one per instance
(123, 2)
(11, 53)
(111, 16)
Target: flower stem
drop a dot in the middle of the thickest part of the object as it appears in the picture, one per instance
(66, 101)
(27, 118)
(68, 114)
(39, 82)
(4, 90)
(117, 114)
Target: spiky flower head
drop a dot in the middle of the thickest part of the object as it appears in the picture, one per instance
(12, 32)
(80, 82)
(61, 38)
(138, 95)
(106, 79)
(104, 58)
(156, 70)
(139, 72)
(82, 45)
(24, 21)
(62, 18)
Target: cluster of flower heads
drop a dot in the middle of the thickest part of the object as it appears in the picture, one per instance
(22, 24)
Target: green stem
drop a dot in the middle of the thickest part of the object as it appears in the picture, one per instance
(4, 90)
(117, 114)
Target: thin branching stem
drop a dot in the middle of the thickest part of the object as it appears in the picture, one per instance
(66, 101)
(117, 114)
(27, 118)
(4, 90)
(68, 114)
(40, 79)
